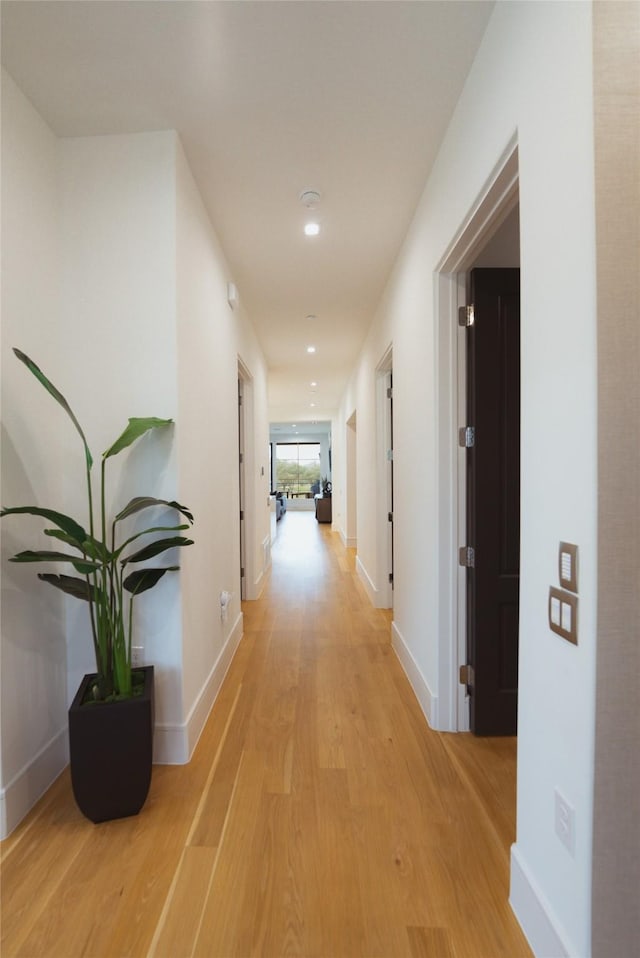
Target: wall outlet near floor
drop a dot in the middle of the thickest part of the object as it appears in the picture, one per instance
(565, 815)
(137, 656)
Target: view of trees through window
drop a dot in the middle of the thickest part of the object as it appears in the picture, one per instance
(297, 468)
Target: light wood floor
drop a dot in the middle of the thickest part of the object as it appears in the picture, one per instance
(319, 817)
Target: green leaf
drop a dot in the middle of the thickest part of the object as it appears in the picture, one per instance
(135, 429)
(80, 565)
(68, 525)
(78, 588)
(146, 532)
(57, 395)
(63, 537)
(155, 548)
(144, 502)
(144, 579)
(90, 547)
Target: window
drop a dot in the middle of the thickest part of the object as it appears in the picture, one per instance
(298, 468)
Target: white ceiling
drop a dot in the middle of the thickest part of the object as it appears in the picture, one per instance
(349, 97)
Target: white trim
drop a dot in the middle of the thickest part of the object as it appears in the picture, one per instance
(32, 781)
(174, 744)
(542, 930)
(372, 591)
(427, 700)
(348, 543)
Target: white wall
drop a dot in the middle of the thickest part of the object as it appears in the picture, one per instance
(118, 296)
(211, 337)
(532, 76)
(34, 441)
(114, 282)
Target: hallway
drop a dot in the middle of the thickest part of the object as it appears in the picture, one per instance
(319, 816)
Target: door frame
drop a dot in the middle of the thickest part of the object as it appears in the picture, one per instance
(252, 573)
(384, 532)
(351, 462)
(498, 197)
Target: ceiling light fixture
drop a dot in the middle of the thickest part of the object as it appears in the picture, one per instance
(311, 229)
(311, 316)
(311, 349)
(312, 404)
(313, 385)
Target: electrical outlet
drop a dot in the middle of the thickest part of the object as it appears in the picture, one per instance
(137, 654)
(565, 822)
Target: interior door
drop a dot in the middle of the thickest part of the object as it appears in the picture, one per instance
(389, 387)
(241, 483)
(493, 500)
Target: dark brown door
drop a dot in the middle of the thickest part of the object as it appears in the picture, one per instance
(493, 499)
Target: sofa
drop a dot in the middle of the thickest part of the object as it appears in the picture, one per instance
(281, 505)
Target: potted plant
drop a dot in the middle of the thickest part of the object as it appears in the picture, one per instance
(111, 717)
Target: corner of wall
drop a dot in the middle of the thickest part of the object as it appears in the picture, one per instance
(534, 914)
(426, 699)
(174, 743)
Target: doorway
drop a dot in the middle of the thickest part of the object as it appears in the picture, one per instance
(384, 472)
(251, 563)
(351, 534)
(491, 440)
(486, 239)
(241, 484)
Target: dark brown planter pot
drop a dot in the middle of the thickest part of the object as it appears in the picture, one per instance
(111, 752)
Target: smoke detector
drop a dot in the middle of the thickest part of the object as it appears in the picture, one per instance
(310, 199)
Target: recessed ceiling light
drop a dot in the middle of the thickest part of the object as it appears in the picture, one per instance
(312, 404)
(313, 385)
(311, 316)
(311, 349)
(311, 229)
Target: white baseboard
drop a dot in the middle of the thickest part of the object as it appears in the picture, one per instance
(427, 700)
(349, 542)
(32, 781)
(534, 914)
(367, 582)
(174, 744)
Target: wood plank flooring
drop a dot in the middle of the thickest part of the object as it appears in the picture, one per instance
(319, 817)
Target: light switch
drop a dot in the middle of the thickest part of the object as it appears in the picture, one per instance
(568, 566)
(563, 614)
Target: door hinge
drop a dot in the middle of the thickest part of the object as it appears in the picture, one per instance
(241, 572)
(241, 457)
(241, 515)
(467, 676)
(390, 516)
(389, 455)
(467, 437)
(391, 578)
(389, 392)
(467, 557)
(466, 316)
